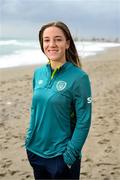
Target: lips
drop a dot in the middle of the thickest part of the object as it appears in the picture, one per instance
(52, 50)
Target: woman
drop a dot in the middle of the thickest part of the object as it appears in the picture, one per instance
(61, 108)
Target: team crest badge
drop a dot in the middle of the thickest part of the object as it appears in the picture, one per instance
(61, 85)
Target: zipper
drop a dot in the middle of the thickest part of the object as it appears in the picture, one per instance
(53, 73)
(52, 77)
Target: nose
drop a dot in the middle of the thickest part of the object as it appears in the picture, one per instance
(52, 43)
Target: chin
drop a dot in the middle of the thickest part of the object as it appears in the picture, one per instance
(53, 58)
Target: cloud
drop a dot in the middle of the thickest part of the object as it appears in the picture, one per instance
(87, 17)
(40, 9)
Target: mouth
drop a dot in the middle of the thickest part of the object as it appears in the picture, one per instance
(53, 50)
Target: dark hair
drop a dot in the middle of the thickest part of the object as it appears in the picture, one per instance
(71, 52)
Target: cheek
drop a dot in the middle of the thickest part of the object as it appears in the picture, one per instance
(44, 47)
(63, 48)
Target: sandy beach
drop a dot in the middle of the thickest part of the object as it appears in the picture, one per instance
(101, 153)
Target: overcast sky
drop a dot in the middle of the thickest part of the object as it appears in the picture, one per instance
(85, 18)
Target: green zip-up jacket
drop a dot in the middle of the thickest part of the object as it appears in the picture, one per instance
(60, 112)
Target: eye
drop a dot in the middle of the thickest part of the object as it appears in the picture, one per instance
(58, 39)
(46, 40)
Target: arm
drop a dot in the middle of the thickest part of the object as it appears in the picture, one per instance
(82, 103)
(30, 128)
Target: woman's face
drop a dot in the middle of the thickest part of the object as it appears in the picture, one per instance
(55, 44)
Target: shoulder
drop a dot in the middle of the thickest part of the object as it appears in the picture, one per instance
(81, 83)
(81, 79)
(40, 69)
(78, 72)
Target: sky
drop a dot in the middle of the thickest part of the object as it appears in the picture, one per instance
(85, 18)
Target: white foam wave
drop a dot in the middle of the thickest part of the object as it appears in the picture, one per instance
(92, 48)
(27, 57)
(35, 56)
(29, 43)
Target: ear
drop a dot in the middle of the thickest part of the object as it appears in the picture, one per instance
(67, 44)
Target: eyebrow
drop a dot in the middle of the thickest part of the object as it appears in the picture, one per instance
(54, 37)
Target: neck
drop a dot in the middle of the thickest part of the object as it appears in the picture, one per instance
(56, 64)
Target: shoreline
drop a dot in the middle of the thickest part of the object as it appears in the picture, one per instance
(89, 57)
(29, 57)
(101, 151)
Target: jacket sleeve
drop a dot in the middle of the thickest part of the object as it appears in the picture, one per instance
(82, 103)
(30, 128)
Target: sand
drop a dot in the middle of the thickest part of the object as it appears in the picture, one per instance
(101, 153)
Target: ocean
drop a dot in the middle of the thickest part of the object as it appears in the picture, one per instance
(27, 52)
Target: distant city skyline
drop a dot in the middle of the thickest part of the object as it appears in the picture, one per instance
(85, 18)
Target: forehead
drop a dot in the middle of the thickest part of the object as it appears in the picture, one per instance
(53, 31)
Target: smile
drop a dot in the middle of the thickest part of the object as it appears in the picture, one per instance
(52, 50)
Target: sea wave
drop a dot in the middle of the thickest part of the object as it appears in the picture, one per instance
(22, 43)
(22, 52)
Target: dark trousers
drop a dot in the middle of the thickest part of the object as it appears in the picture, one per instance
(53, 168)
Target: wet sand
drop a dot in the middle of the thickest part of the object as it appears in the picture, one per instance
(101, 153)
